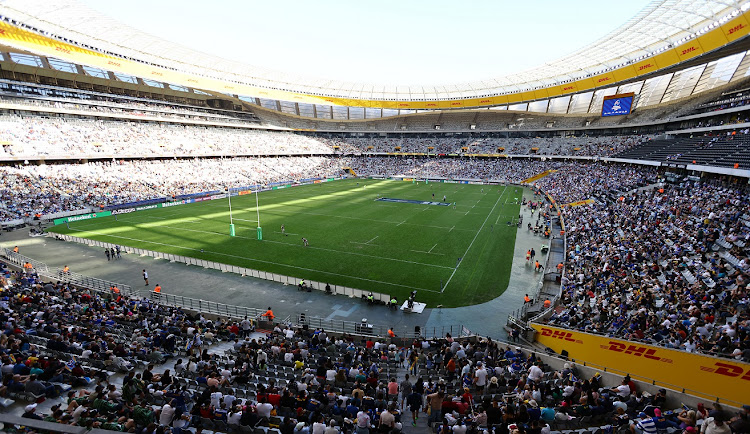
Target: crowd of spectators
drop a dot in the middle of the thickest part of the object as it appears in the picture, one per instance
(666, 266)
(588, 146)
(41, 137)
(44, 137)
(30, 190)
(137, 366)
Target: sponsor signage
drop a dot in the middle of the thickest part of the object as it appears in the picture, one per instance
(76, 218)
(699, 374)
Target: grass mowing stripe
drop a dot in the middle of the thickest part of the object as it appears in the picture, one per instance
(371, 220)
(472, 241)
(331, 217)
(297, 244)
(257, 260)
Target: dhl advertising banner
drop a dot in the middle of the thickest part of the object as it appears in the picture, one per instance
(699, 375)
(32, 42)
(579, 203)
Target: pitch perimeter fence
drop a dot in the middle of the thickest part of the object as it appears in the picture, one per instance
(226, 268)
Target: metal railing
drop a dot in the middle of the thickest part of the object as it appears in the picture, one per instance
(205, 306)
(77, 279)
(227, 268)
(20, 260)
(367, 329)
(93, 283)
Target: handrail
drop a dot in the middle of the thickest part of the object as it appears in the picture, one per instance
(205, 306)
(367, 329)
(88, 282)
(287, 280)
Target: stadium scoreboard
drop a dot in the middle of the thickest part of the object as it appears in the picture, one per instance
(617, 105)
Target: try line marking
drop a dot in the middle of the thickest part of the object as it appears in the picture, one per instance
(472, 241)
(254, 260)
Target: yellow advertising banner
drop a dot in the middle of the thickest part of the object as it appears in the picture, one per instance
(36, 43)
(688, 50)
(580, 202)
(735, 28)
(700, 375)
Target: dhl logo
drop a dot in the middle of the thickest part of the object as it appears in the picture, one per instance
(736, 28)
(63, 50)
(403, 104)
(559, 334)
(728, 370)
(455, 103)
(568, 88)
(192, 80)
(2, 32)
(431, 104)
(157, 73)
(113, 63)
(226, 86)
(633, 350)
(603, 79)
(485, 100)
(689, 50)
(646, 66)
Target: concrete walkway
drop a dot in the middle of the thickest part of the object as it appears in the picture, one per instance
(487, 319)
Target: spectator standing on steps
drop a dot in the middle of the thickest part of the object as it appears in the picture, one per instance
(145, 277)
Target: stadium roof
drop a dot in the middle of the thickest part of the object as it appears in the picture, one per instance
(659, 27)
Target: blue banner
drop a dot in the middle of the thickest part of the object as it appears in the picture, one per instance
(617, 106)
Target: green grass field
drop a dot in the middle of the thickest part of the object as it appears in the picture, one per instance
(355, 240)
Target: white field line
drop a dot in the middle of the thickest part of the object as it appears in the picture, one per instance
(472, 243)
(309, 247)
(259, 260)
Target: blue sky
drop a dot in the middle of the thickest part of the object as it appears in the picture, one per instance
(386, 41)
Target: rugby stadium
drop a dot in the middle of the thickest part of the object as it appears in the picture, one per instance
(196, 242)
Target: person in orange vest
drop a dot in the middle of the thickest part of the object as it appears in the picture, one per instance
(27, 266)
(547, 303)
(526, 299)
(528, 253)
(269, 314)
(391, 333)
(15, 249)
(66, 269)
(560, 266)
(538, 266)
(115, 289)
(157, 288)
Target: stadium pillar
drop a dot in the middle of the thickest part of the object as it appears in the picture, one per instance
(231, 229)
(260, 233)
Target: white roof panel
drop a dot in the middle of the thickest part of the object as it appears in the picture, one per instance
(660, 24)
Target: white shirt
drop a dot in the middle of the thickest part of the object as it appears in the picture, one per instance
(535, 373)
(623, 390)
(264, 409)
(318, 428)
(234, 418)
(481, 375)
(166, 415)
(216, 398)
